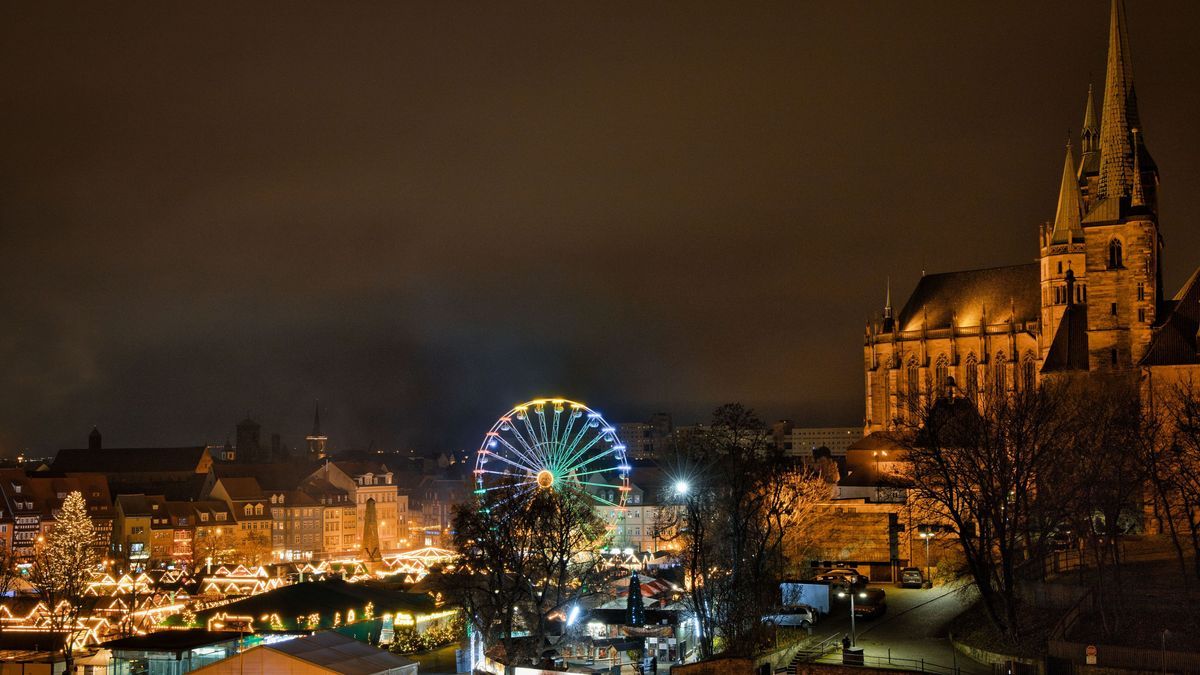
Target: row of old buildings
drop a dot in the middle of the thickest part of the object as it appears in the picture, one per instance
(191, 505)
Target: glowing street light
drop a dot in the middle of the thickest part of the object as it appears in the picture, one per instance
(682, 487)
(849, 592)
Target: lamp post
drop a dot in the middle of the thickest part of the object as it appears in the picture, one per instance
(849, 592)
(927, 534)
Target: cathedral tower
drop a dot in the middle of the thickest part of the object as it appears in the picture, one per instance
(1063, 255)
(1121, 234)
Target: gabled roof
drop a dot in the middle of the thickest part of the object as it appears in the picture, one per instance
(130, 460)
(939, 298)
(242, 488)
(1174, 341)
(341, 654)
(1069, 350)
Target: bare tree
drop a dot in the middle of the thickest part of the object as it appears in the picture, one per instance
(62, 567)
(526, 557)
(743, 498)
(1178, 476)
(995, 475)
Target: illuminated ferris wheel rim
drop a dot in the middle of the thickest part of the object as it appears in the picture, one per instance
(542, 444)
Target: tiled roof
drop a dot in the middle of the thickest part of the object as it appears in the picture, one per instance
(939, 298)
(1175, 341)
(1069, 351)
(129, 460)
(242, 488)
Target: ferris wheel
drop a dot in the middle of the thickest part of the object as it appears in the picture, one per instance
(553, 444)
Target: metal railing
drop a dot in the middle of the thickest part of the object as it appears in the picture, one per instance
(829, 652)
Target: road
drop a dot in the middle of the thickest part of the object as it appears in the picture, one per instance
(914, 628)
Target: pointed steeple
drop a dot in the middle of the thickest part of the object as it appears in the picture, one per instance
(316, 418)
(1067, 219)
(1089, 138)
(888, 321)
(1138, 198)
(1119, 113)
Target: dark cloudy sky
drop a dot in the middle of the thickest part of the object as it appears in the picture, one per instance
(423, 213)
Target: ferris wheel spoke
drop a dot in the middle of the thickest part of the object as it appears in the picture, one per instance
(576, 474)
(538, 457)
(540, 411)
(595, 497)
(502, 458)
(602, 455)
(533, 437)
(570, 447)
(580, 451)
(603, 485)
(566, 434)
(507, 473)
(531, 458)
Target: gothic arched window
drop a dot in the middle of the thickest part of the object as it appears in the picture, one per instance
(914, 385)
(971, 375)
(1115, 258)
(1028, 372)
(999, 378)
(940, 373)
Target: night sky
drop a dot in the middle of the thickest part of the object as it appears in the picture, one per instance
(424, 213)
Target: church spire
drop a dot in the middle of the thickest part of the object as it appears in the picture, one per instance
(1119, 111)
(1067, 226)
(1089, 138)
(888, 321)
(316, 418)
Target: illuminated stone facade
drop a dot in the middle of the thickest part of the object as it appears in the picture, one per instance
(1092, 303)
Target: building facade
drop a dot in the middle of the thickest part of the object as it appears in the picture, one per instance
(1093, 302)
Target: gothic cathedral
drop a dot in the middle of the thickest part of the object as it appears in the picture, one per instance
(1093, 303)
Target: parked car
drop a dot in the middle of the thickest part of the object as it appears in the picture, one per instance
(843, 575)
(798, 617)
(870, 602)
(911, 577)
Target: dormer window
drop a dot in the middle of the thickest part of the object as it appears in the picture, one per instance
(204, 517)
(249, 510)
(258, 509)
(221, 516)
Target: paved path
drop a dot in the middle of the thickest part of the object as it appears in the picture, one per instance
(915, 628)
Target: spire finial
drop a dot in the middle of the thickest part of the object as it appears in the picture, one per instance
(316, 417)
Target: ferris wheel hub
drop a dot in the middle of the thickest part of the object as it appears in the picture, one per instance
(545, 479)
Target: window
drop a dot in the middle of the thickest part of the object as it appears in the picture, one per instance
(1113, 355)
(941, 374)
(1028, 372)
(221, 516)
(914, 385)
(1112, 309)
(1060, 267)
(1142, 314)
(1115, 259)
(248, 509)
(1141, 290)
(999, 376)
(258, 509)
(970, 372)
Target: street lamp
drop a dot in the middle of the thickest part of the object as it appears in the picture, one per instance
(927, 533)
(682, 487)
(849, 592)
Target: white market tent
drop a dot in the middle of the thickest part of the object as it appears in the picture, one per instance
(324, 653)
